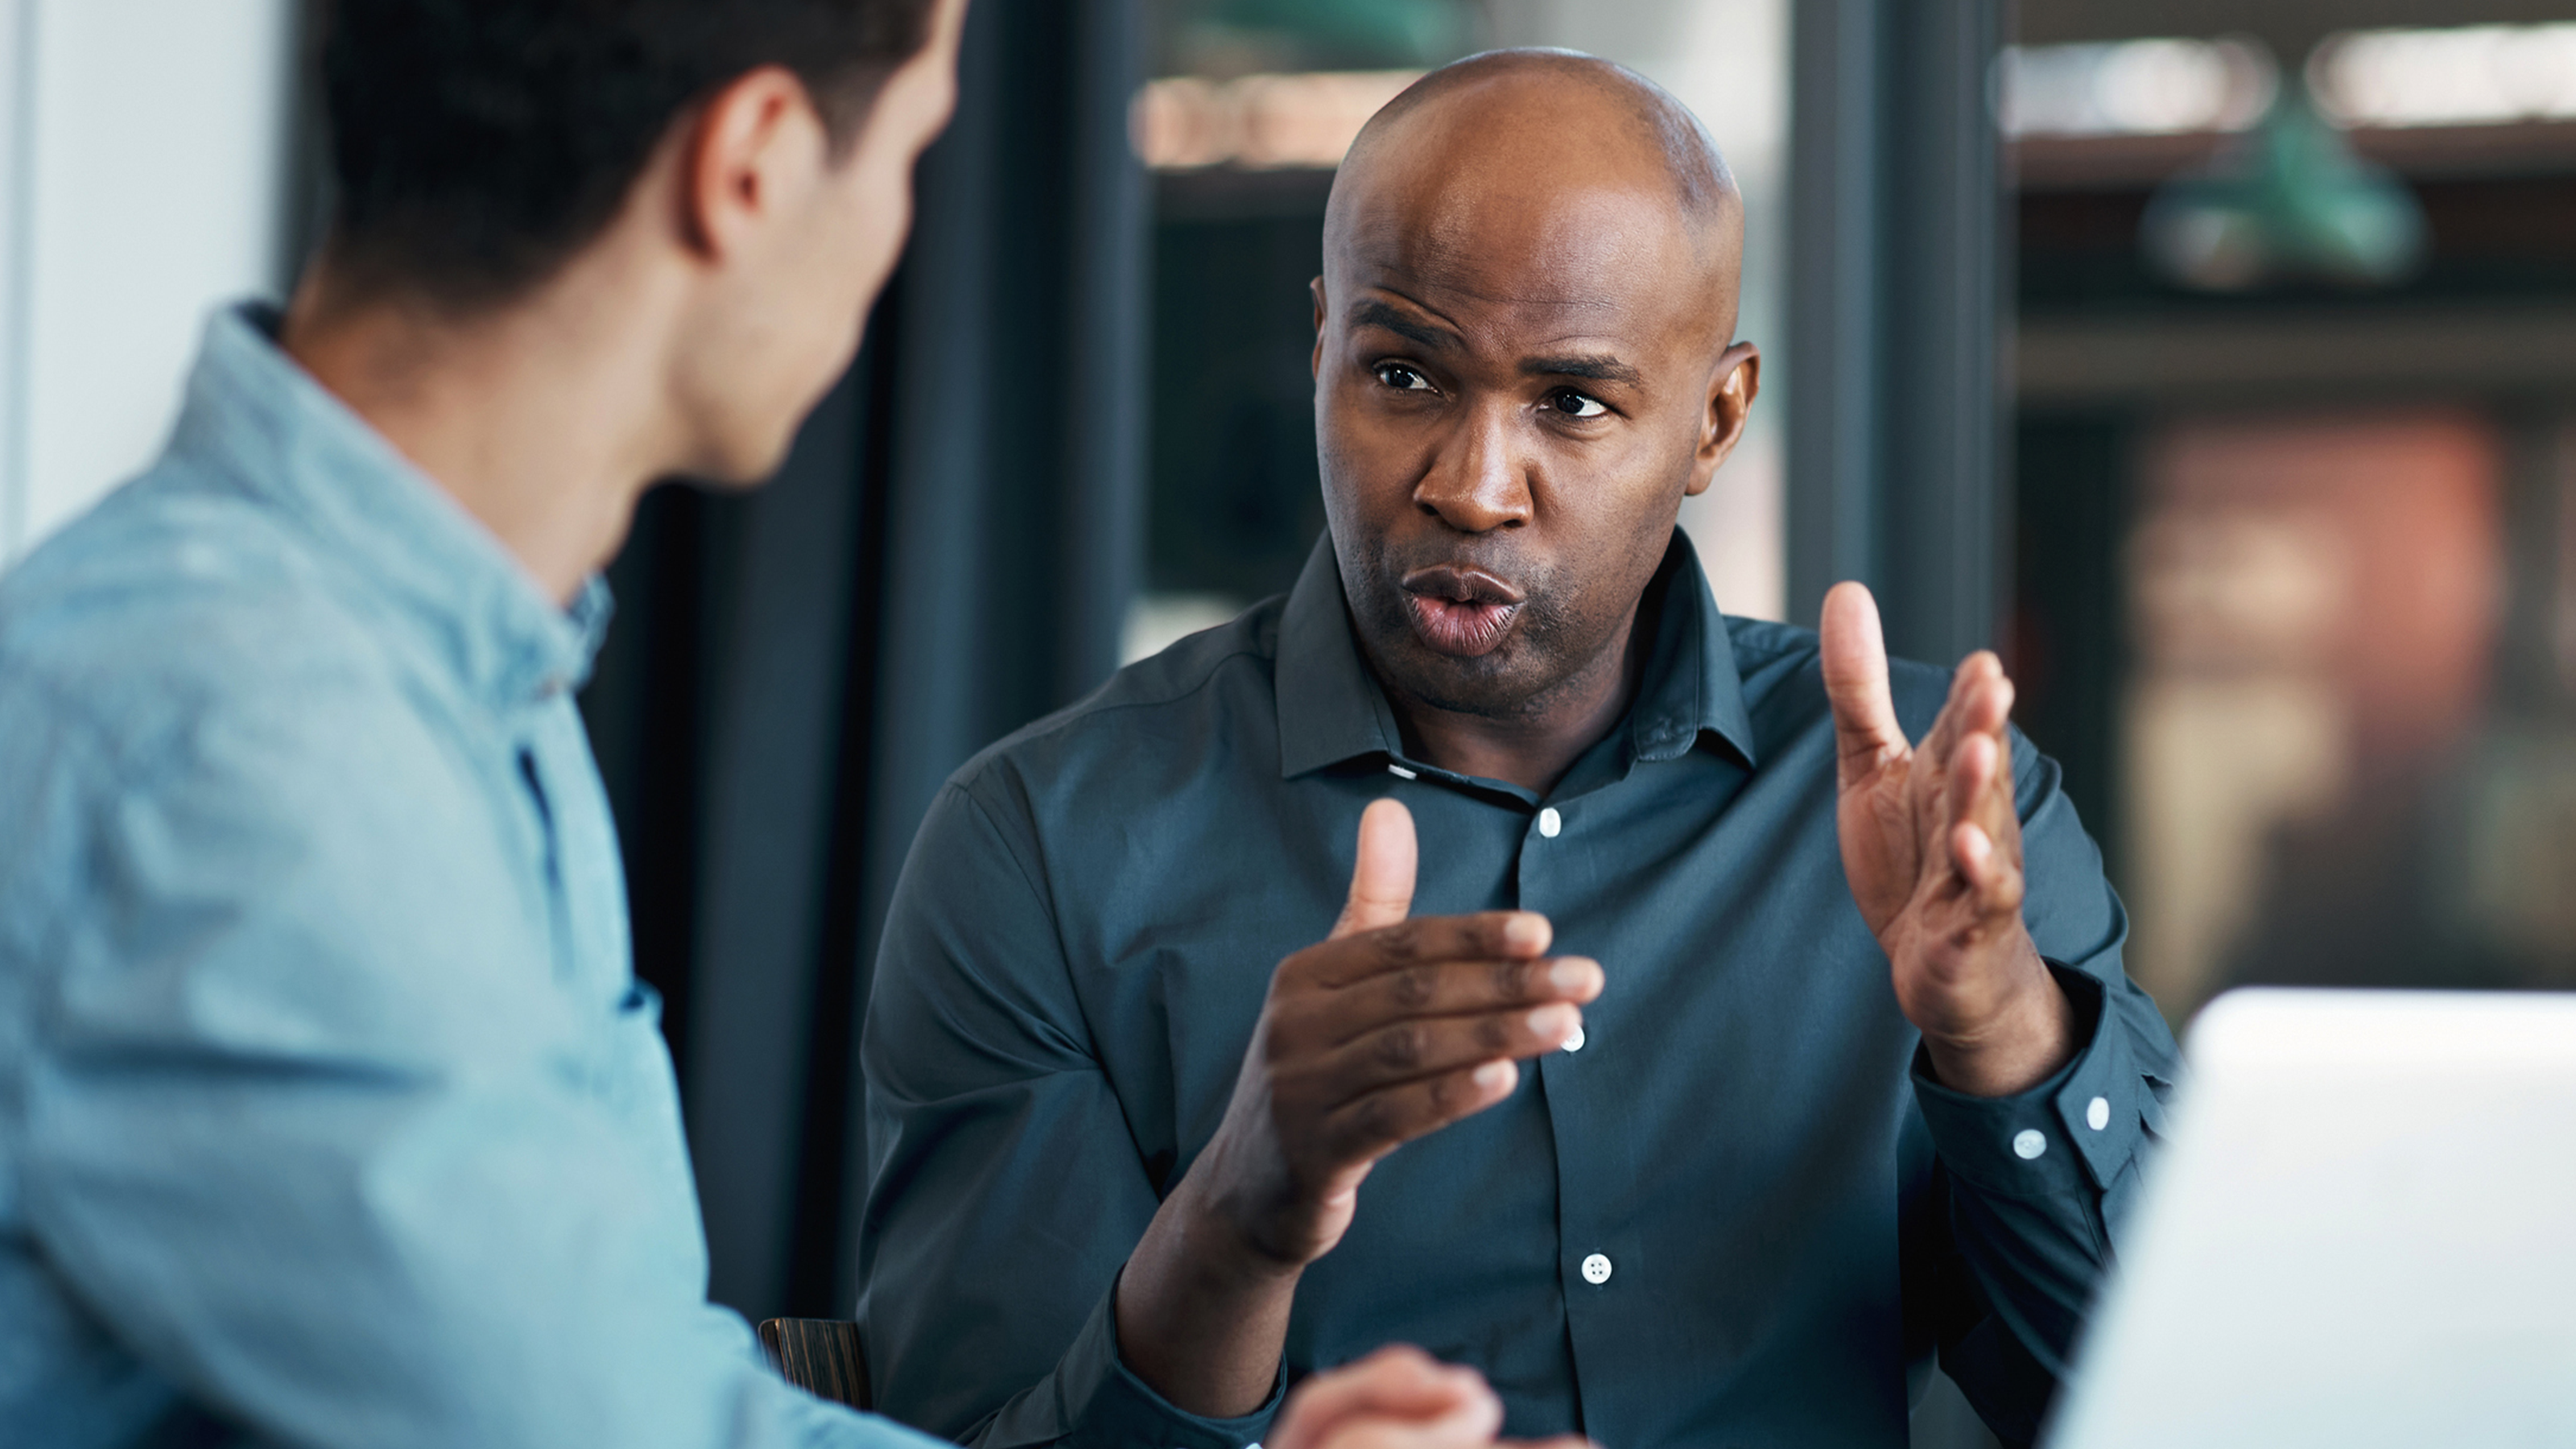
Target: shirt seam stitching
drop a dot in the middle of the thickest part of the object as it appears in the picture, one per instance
(1088, 1043)
(87, 727)
(53, 942)
(1012, 848)
(1081, 713)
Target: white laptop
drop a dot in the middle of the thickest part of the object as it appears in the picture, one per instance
(2361, 1232)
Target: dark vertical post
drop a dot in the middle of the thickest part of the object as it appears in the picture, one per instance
(1896, 317)
(1015, 508)
(1896, 260)
(1107, 427)
(942, 472)
(1013, 514)
(947, 554)
(1836, 345)
(779, 589)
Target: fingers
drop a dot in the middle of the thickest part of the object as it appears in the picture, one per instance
(1980, 703)
(1398, 1388)
(1396, 1054)
(1953, 723)
(1382, 879)
(1989, 705)
(1485, 936)
(1985, 832)
(1969, 748)
(1369, 1432)
(1866, 732)
(1451, 988)
(1376, 1123)
(1403, 1050)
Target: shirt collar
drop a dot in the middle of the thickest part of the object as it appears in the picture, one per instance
(254, 418)
(1331, 708)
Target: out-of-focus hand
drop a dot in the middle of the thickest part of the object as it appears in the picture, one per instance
(1389, 1029)
(1931, 844)
(1396, 1398)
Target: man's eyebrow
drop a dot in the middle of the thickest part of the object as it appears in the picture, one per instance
(1599, 367)
(1379, 314)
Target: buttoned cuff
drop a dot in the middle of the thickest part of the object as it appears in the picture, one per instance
(1107, 1406)
(2078, 1128)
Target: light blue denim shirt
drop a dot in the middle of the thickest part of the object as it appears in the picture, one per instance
(330, 1109)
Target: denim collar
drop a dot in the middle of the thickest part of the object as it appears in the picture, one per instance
(256, 420)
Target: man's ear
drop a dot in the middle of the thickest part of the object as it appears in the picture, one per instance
(1315, 362)
(1733, 384)
(755, 149)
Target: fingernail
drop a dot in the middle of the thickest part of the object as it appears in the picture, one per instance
(1570, 974)
(1494, 1076)
(1526, 933)
(1549, 1020)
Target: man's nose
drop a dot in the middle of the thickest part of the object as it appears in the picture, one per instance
(1478, 481)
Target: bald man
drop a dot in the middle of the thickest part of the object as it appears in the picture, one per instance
(1488, 945)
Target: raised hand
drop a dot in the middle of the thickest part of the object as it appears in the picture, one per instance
(1396, 1398)
(1390, 1028)
(1931, 844)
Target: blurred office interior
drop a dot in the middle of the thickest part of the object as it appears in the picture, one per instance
(2215, 361)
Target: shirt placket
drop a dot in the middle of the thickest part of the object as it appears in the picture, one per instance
(589, 881)
(1601, 1266)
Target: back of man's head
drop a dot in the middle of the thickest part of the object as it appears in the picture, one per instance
(478, 144)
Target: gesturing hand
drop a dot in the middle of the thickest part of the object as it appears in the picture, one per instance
(1931, 844)
(1389, 1029)
(1396, 1398)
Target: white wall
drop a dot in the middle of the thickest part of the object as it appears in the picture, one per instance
(1728, 60)
(143, 148)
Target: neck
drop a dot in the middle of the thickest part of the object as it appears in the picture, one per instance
(539, 416)
(1533, 747)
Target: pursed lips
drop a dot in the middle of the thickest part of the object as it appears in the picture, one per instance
(1458, 610)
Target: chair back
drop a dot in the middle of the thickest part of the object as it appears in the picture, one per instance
(820, 1356)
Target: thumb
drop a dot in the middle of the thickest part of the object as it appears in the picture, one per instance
(1382, 882)
(1855, 664)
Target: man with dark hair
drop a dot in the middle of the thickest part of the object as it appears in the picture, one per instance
(1172, 1094)
(330, 1110)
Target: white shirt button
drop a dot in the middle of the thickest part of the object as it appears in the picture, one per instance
(2028, 1144)
(1574, 1043)
(2097, 1113)
(1596, 1270)
(1549, 822)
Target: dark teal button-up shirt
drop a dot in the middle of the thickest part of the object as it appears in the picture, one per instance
(1741, 1213)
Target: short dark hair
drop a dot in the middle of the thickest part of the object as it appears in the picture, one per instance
(476, 145)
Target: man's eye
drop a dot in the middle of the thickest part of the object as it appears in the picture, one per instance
(1575, 405)
(1402, 378)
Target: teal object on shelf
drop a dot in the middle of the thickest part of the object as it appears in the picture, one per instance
(2288, 201)
(1391, 33)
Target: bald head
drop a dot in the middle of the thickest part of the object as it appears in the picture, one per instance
(1524, 362)
(1522, 128)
